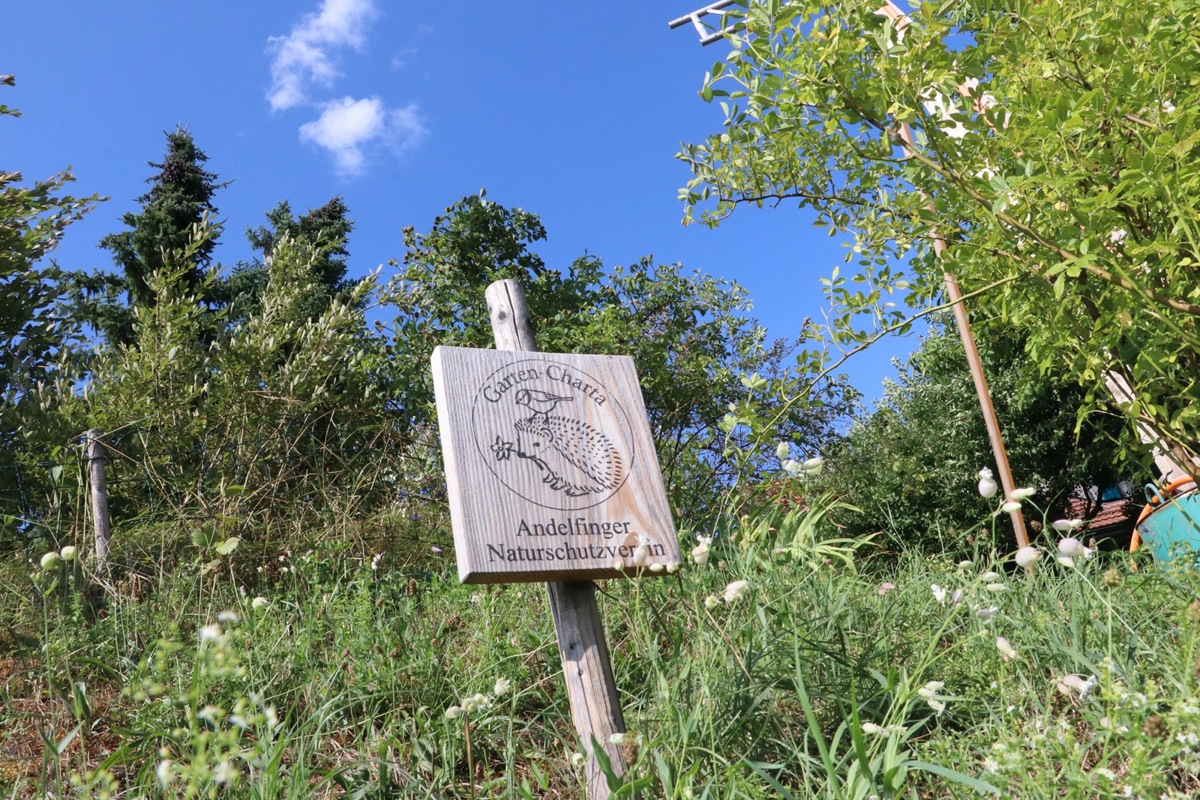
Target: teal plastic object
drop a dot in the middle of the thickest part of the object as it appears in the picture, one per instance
(1173, 528)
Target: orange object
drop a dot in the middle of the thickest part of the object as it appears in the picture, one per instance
(1152, 505)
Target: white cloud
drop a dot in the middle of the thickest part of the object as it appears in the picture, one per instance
(306, 54)
(349, 128)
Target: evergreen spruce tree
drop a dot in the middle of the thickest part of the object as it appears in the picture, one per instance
(325, 229)
(181, 195)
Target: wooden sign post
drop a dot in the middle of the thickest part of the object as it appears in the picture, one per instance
(552, 476)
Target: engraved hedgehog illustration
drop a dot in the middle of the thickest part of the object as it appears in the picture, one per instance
(575, 457)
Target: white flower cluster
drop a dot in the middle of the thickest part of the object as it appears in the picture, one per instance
(931, 694)
(871, 729)
(479, 701)
(1070, 549)
(734, 592)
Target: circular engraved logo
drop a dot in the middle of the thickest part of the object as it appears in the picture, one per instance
(553, 434)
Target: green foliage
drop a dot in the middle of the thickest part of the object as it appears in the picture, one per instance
(912, 464)
(33, 219)
(690, 335)
(325, 229)
(1055, 150)
(299, 673)
(180, 198)
(283, 404)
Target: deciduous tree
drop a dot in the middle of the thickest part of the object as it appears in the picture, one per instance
(33, 220)
(1055, 148)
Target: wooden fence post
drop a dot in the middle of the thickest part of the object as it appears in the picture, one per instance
(101, 523)
(591, 688)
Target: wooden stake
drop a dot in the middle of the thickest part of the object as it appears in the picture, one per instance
(101, 522)
(985, 404)
(591, 688)
(963, 323)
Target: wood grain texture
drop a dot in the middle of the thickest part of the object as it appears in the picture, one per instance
(551, 468)
(101, 521)
(591, 688)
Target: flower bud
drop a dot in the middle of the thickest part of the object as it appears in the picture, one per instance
(987, 486)
(1027, 555)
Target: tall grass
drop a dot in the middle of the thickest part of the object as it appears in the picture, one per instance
(328, 672)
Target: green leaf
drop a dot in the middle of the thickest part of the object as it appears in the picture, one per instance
(205, 535)
(979, 786)
(228, 546)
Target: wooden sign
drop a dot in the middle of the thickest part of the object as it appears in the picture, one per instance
(550, 467)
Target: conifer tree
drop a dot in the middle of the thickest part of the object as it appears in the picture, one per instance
(180, 197)
(325, 229)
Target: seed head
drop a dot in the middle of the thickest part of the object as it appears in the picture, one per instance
(1155, 727)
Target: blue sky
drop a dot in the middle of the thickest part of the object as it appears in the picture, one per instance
(572, 111)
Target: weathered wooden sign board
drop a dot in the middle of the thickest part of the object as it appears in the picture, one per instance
(550, 467)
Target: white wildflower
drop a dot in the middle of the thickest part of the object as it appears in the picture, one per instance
(1010, 507)
(224, 773)
(1076, 684)
(736, 591)
(931, 694)
(939, 594)
(50, 561)
(641, 553)
(67, 553)
(260, 603)
(578, 760)
(454, 712)
(1027, 555)
(165, 772)
(502, 686)
(700, 551)
(782, 449)
(1117, 235)
(1006, 650)
(211, 633)
(987, 485)
(930, 689)
(1066, 525)
(1021, 494)
(711, 602)
(228, 617)
(1073, 548)
(814, 466)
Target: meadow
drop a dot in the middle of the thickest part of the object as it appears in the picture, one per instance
(781, 661)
